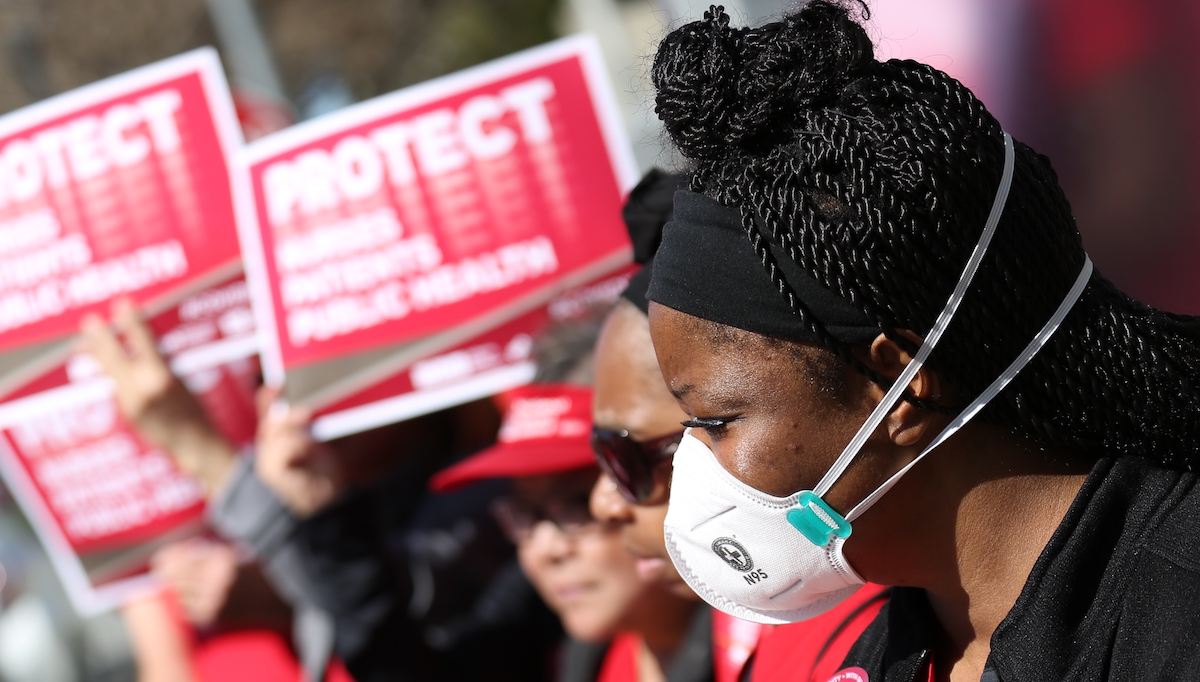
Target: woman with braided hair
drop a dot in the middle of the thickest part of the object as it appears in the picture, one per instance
(900, 367)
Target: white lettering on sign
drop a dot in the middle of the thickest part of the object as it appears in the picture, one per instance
(28, 231)
(486, 272)
(352, 255)
(361, 272)
(336, 240)
(187, 336)
(65, 428)
(89, 146)
(109, 486)
(456, 365)
(97, 478)
(50, 280)
(434, 143)
(374, 288)
(346, 314)
(213, 302)
(61, 256)
(535, 418)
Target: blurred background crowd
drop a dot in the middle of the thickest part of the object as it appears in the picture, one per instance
(1108, 89)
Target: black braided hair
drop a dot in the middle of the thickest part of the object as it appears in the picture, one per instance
(877, 178)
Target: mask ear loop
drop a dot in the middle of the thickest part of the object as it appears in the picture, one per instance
(935, 333)
(1039, 341)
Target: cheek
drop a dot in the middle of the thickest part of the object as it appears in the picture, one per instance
(647, 528)
(614, 571)
(604, 563)
(604, 556)
(776, 455)
(535, 566)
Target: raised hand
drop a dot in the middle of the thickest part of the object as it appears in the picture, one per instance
(152, 398)
(305, 474)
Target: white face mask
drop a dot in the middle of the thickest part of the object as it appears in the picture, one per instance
(779, 559)
(735, 548)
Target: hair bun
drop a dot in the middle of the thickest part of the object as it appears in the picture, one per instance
(698, 63)
(721, 89)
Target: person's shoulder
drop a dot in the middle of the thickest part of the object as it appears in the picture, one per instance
(1177, 537)
(1159, 613)
(1164, 576)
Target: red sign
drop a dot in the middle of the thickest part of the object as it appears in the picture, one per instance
(490, 363)
(463, 201)
(100, 498)
(120, 188)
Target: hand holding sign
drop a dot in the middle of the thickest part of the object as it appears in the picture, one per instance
(153, 399)
(201, 573)
(305, 474)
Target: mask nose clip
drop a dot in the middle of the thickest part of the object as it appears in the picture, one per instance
(816, 520)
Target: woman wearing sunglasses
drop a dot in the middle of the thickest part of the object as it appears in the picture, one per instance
(899, 365)
(576, 562)
(637, 431)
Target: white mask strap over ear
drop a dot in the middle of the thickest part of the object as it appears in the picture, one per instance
(1040, 340)
(934, 335)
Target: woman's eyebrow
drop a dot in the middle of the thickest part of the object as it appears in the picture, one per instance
(713, 398)
(683, 390)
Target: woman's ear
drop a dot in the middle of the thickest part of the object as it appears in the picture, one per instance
(906, 424)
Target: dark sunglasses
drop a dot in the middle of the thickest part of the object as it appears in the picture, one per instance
(630, 464)
(518, 518)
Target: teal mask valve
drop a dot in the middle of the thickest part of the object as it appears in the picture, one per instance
(816, 520)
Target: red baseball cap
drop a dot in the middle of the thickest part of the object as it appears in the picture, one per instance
(547, 429)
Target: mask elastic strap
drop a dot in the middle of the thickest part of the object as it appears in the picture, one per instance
(935, 334)
(1038, 342)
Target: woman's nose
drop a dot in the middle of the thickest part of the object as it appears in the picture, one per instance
(607, 503)
(548, 542)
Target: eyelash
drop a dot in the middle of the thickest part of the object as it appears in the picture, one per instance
(711, 425)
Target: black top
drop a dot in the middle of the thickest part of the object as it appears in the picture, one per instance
(424, 587)
(1115, 594)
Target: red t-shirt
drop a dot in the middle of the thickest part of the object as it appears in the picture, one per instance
(621, 661)
(734, 641)
(249, 654)
(813, 650)
(809, 651)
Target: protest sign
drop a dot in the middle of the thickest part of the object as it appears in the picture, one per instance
(99, 497)
(413, 223)
(120, 188)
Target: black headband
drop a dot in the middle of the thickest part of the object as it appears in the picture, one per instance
(706, 267)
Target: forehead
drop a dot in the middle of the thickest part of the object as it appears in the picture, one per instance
(629, 391)
(698, 357)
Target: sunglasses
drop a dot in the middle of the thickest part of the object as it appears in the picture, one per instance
(632, 464)
(518, 518)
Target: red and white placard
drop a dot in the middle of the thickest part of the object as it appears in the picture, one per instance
(434, 214)
(98, 496)
(120, 188)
